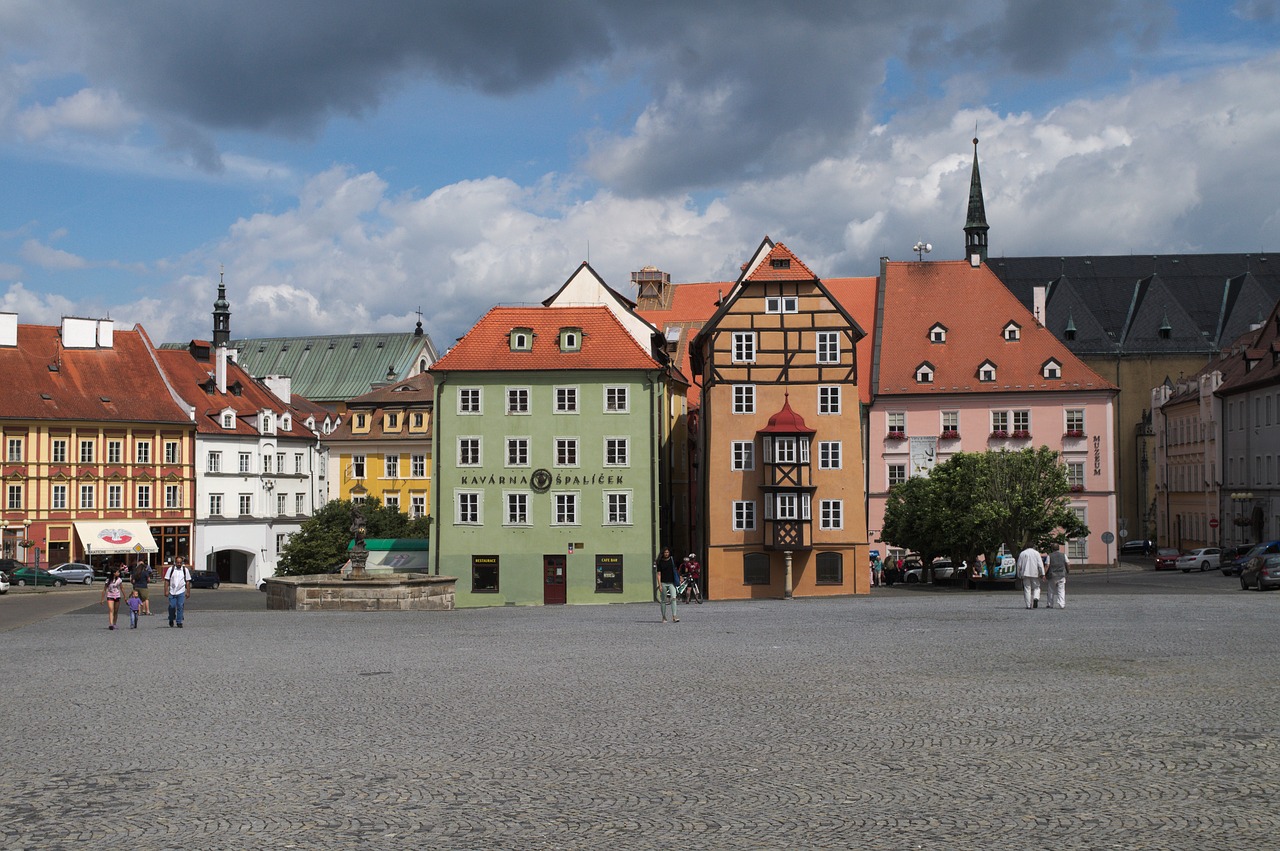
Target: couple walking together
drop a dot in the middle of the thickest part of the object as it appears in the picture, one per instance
(1033, 570)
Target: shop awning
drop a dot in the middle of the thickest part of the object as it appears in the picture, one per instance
(115, 536)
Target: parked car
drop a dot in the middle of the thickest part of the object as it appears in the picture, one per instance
(35, 576)
(9, 565)
(943, 570)
(1237, 564)
(1261, 572)
(205, 579)
(4, 582)
(74, 572)
(1201, 559)
(1137, 548)
(1167, 557)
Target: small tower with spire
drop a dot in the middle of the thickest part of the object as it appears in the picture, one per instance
(221, 316)
(975, 225)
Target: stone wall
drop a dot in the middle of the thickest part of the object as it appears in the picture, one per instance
(329, 593)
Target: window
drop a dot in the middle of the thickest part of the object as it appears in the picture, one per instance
(987, 372)
(828, 400)
(173, 496)
(617, 508)
(282, 504)
(280, 456)
(744, 399)
(246, 462)
(213, 463)
(1078, 548)
(744, 515)
(286, 422)
(115, 451)
(281, 540)
(391, 466)
(897, 474)
(86, 452)
(831, 514)
(469, 400)
(755, 569)
(267, 464)
(897, 422)
(361, 423)
(484, 574)
(58, 452)
(938, 333)
(297, 462)
(1000, 423)
(418, 466)
(744, 455)
(1012, 332)
(609, 573)
(744, 346)
(951, 423)
(228, 419)
(517, 400)
(1051, 369)
(215, 504)
(142, 452)
(1021, 423)
(517, 509)
(115, 497)
(14, 501)
(786, 506)
(172, 453)
(570, 339)
(144, 496)
(468, 452)
(829, 455)
(566, 400)
(357, 466)
(781, 304)
(419, 422)
(616, 400)
(830, 569)
(521, 339)
(14, 454)
(828, 347)
(616, 452)
(58, 498)
(87, 494)
(466, 508)
(393, 422)
(566, 509)
(246, 504)
(1075, 422)
(784, 451)
(417, 505)
(1075, 475)
(300, 503)
(566, 452)
(517, 452)
(924, 373)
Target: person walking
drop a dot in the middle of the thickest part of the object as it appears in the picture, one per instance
(667, 573)
(111, 596)
(135, 603)
(1031, 571)
(1056, 578)
(178, 583)
(877, 572)
(141, 578)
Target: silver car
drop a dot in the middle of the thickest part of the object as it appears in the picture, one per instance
(1201, 559)
(73, 571)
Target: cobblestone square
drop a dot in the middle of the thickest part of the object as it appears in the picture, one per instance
(1137, 718)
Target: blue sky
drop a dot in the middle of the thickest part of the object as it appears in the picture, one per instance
(348, 164)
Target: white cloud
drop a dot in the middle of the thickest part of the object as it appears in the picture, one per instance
(88, 112)
(47, 257)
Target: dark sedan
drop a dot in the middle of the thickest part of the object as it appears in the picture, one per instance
(1237, 564)
(1137, 548)
(1261, 572)
(205, 579)
(1167, 558)
(35, 576)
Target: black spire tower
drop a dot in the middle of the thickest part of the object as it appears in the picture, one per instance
(975, 225)
(221, 317)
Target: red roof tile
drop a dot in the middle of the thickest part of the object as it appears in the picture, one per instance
(605, 343)
(189, 378)
(975, 307)
(780, 265)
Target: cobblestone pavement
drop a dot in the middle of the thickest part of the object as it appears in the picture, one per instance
(900, 721)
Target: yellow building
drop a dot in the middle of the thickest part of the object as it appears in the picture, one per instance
(383, 447)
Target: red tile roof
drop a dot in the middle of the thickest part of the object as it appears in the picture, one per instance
(975, 307)
(780, 265)
(189, 378)
(120, 383)
(605, 343)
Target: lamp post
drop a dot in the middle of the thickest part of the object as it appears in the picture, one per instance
(26, 539)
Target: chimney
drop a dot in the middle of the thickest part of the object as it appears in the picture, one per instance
(78, 333)
(8, 329)
(1038, 304)
(106, 333)
(220, 369)
(281, 385)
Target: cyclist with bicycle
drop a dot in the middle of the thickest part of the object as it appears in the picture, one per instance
(691, 579)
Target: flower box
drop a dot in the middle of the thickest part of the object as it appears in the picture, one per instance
(26, 543)
(896, 435)
(950, 435)
(1077, 488)
(1000, 433)
(1022, 434)
(1075, 432)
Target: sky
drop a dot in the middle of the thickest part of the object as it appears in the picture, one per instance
(344, 166)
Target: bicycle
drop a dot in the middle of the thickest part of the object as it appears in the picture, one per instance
(688, 591)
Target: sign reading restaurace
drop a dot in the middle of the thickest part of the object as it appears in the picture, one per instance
(540, 484)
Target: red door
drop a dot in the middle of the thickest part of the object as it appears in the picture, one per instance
(553, 591)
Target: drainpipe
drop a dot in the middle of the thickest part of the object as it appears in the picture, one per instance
(436, 443)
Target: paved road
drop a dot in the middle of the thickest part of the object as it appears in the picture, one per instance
(1141, 717)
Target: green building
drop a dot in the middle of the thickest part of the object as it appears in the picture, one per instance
(549, 423)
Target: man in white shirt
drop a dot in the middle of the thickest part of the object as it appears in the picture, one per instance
(177, 580)
(1031, 570)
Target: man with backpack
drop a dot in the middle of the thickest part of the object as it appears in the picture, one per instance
(178, 585)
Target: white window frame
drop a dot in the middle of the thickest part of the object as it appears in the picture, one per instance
(88, 497)
(510, 499)
(418, 505)
(828, 347)
(522, 445)
(829, 400)
(469, 442)
(890, 478)
(1074, 419)
(391, 466)
(245, 462)
(924, 374)
(470, 401)
(608, 498)
(518, 401)
(13, 455)
(173, 496)
(213, 462)
(612, 395)
(742, 455)
(572, 446)
(88, 454)
(115, 497)
(418, 466)
(246, 504)
(744, 399)
(896, 422)
(830, 455)
(143, 496)
(558, 501)
(744, 515)
(468, 508)
(744, 347)
(115, 451)
(58, 450)
(142, 452)
(566, 399)
(172, 452)
(781, 304)
(831, 514)
(58, 498)
(612, 445)
(215, 505)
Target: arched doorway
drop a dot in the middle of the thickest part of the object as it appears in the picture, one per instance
(233, 566)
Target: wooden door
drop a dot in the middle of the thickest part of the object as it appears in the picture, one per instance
(553, 579)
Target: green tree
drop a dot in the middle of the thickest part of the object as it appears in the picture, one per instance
(1030, 487)
(322, 541)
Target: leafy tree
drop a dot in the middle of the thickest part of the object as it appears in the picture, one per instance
(322, 542)
(1030, 487)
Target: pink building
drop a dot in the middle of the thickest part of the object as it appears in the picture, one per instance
(961, 365)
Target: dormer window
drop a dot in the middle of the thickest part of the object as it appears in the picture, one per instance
(1012, 332)
(393, 422)
(1166, 330)
(780, 263)
(987, 371)
(360, 422)
(286, 422)
(228, 419)
(266, 422)
(938, 333)
(924, 373)
(1051, 369)
(570, 339)
(521, 339)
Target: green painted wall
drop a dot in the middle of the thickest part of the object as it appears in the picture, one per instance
(520, 549)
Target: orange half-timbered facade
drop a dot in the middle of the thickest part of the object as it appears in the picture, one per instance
(783, 505)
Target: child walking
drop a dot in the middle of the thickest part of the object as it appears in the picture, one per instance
(135, 605)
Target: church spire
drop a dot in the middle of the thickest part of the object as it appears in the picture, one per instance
(221, 316)
(975, 225)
